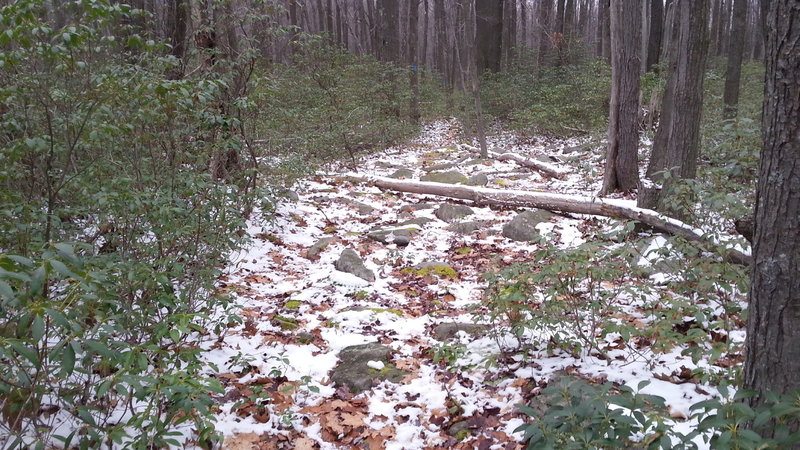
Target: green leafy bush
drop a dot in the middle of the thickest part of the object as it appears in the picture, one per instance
(113, 230)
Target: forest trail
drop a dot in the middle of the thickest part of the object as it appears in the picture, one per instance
(416, 299)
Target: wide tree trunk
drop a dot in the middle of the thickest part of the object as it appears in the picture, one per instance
(677, 141)
(545, 16)
(735, 51)
(622, 166)
(772, 361)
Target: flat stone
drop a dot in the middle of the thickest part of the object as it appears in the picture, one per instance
(466, 227)
(362, 208)
(522, 228)
(445, 177)
(420, 221)
(402, 173)
(450, 212)
(416, 207)
(318, 247)
(289, 194)
(399, 236)
(353, 371)
(350, 262)
(446, 331)
(438, 268)
(479, 179)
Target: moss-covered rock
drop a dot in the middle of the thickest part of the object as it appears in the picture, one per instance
(451, 177)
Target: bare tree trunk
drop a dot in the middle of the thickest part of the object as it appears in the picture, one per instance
(471, 71)
(545, 25)
(489, 34)
(677, 142)
(656, 33)
(622, 162)
(413, 74)
(735, 53)
(772, 362)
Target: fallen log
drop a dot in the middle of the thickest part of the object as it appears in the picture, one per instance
(540, 166)
(618, 209)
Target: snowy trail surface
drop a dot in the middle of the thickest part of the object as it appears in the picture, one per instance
(444, 387)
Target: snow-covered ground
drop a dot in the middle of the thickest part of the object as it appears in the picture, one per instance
(300, 312)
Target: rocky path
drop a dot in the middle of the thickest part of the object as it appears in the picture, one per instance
(363, 318)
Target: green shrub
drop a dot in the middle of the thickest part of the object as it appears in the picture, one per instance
(112, 229)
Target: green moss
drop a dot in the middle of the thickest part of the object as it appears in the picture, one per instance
(464, 250)
(440, 270)
(396, 312)
(387, 368)
(292, 304)
(461, 435)
(360, 295)
(500, 182)
(286, 323)
(330, 229)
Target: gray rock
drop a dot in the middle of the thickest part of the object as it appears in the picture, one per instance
(479, 179)
(353, 371)
(459, 430)
(289, 194)
(399, 236)
(466, 227)
(362, 208)
(416, 207)
(449, 212)
(523, 227)
(420, 221)
(387, 165)
(318, 247)
(402, 173)
(445, 331)
(437, 268)
(350, 262)
(445, 177)
(439, 167)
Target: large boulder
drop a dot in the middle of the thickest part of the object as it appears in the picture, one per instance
(354, 370)
(350, 262)
(451, 177)
(450, 213)
(523, 227)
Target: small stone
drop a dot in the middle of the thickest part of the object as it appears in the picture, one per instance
(445, 331)
(354, 371)
(445, 177)
(438, 268)
(420, 221)
(318, 247)
(399, 236)
(402, 173)
(416, 207)
(522, 228)
(362, 208)
(350, 262)
(479, 179)
(289, 194)
(449, 212)
(465, 227)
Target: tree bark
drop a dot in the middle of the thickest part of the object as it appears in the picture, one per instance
(622, 162)
(619, 209)
(656, 33)
(735, 53)
(489, 34)
(413, 74)
(545, 39)
(539, 166)
(677, 141)
(772, 361)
